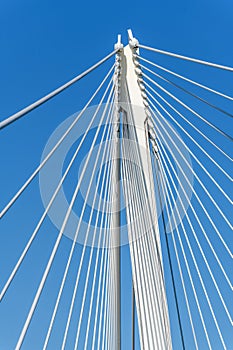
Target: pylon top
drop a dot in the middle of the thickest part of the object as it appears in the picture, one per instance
(118, 46)
(133, 42)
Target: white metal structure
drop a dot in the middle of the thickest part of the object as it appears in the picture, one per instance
(134, 106)
(175, 190)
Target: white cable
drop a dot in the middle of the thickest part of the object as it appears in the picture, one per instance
(197, 160)
(104, 287)
(158, 295)
(103, 278)
(103, 261)
(74, 240)
(136, 276)
(85, 242)
(20, 191)
(105, 312)
(194, 95)
(92, 295)
(192, 111)
(195, 263)
(112, 297)
(46, 272)
(104, 305)
(195, 236)
(145, 253)
(146, 219)
(141, 258)
(200, 182)
(27, 247)
(201, 226)
(142, 287)
(144, 271)
(156, 243)
(93, 289)
(44, 99)
(105, 302)
(181, 274)
(107, 331)
(155, 263)
(199, 201)
(214, 65)
(166, 195)
(186, 79)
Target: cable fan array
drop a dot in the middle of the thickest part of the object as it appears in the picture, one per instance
(194, 156)
(70, 301)
(89, 263)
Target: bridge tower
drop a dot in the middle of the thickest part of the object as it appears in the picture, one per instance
(142, 219)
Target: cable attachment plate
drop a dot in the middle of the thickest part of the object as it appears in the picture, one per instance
(152, 138)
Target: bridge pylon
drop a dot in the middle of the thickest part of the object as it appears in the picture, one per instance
(141, 213)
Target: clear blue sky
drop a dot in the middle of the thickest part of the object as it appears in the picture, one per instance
(44, 44)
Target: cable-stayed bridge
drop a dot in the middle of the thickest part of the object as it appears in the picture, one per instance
(140, 182)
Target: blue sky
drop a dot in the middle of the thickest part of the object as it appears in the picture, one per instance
(44, 44)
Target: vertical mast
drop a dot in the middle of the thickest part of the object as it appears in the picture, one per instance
(145, 248)
(115, 229)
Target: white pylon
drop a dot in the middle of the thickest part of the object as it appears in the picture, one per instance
(115, 217)
(151, 302)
